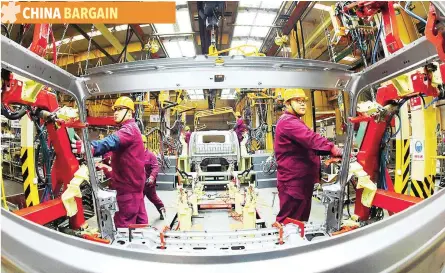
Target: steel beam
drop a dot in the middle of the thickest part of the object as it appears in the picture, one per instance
(20, 60)
(112, 39)
(268, 72)
(96, 45)
(139, 33)
(293, 19)
(94, 54)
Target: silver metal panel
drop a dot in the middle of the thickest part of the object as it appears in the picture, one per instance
(20, 60)
(392, 245)
(199, 72)
(408, 58)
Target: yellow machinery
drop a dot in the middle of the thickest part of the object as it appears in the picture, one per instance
(208, 113)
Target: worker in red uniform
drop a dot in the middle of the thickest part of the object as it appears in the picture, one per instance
(297, 150)
(128, 161)
(151, 172)
(187, 134)
(240, 127)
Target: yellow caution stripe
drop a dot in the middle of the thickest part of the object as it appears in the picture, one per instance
(28, 173)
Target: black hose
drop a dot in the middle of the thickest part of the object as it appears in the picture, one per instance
(13, 115)
(376, 45)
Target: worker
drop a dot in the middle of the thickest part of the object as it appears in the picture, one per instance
(187, 134)
(127, 164)
(297, 149)
(151, 172)
(239, 127)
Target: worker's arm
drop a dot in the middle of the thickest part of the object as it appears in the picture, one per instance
(238, 123)
(154, 166)
(303, 135)
(103, 146)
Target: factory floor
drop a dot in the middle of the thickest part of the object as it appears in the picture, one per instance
(267, 206)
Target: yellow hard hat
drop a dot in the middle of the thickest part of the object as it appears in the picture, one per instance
(187, 128)
(144, 139)
(125, 102)
(238, 114)
(294, 93)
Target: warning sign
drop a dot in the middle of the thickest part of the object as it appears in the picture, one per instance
(415, 103)
(418, 150)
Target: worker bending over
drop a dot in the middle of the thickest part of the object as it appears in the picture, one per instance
(151, 172)
(128, 175)
(297, 150)
(240, 127)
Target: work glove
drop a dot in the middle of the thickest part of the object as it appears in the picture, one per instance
(77, 147)
(336, 151)
(149, 181)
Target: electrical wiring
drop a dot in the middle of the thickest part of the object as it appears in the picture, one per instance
(376, 45)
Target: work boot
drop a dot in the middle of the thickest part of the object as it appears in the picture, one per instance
(161, 213)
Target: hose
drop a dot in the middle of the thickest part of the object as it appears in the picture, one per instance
(412, 14)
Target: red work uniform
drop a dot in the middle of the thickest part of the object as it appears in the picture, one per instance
(240, 128)
(296, 148)
(152, 169)
(187, 137)
(128, 175)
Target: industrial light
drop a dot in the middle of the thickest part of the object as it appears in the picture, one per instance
(165, 28)
(265, 18)
(245, 18)
(228, 94)
(259, 32)
(322, 7)
(271, 4)
(249, 4)
(241, 31)
(178, 48)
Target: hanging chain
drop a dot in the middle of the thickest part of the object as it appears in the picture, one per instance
(89, 48)
(61, 40)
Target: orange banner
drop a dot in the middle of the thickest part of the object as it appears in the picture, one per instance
(88, 12)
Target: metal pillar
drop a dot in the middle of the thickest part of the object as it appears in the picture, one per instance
(423, 148)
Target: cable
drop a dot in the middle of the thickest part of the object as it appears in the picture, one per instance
(376, 45)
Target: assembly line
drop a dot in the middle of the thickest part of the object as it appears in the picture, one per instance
(234, 158)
